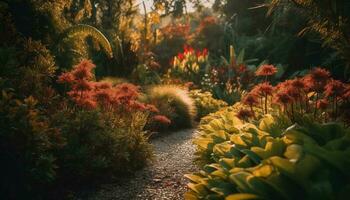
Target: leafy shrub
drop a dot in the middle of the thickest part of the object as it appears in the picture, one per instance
(173, 102)
(28, 68)
(103, 125)
(28, 143)
(101, 143)
(205, 103)
(270, 159)
(146, 75)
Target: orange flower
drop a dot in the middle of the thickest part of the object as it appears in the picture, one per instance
(266, 70)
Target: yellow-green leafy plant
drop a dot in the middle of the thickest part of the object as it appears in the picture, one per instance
(270, 159)
(206, 103)
(173, 102)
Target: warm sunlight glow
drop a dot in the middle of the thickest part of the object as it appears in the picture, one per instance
(174, 99)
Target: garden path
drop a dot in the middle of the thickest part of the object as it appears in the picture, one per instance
(161, 180)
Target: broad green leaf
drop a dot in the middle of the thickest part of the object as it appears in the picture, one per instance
(266, 122)
(195, 178)
(242, 196)
(190, 196)
(253, 156)
(240, 179)
(198, 188)
(293, 152)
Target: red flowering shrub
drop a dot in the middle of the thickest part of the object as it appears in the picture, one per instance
(316, 93)
(89, 94)
(334, 88)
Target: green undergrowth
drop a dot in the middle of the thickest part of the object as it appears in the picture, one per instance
(270, 158)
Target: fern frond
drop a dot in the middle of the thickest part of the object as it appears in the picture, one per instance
(83, 30)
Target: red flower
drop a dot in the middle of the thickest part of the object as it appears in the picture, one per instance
(298, 83)
(319, 74)
(334, 88)
(104, 97)
(244, 114)
(162, 119)
(205, 52)
(180, 56)
(242, 68)
(283, 85)
(83, 85)
(250, 99)
(283, 98)
(65, 78)
(266, 70)
(293, 92)
(263, 89)
(188, 49)
(322, 104)
(83, 70)
(317, 79)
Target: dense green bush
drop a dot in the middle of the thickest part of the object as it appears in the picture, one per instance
(173, 102)
(100, 143)
(269, 159)
(205, 103)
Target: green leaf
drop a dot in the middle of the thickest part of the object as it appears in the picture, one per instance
(253, 156)
(242, 196)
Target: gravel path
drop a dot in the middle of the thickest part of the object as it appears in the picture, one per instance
(163, 179)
